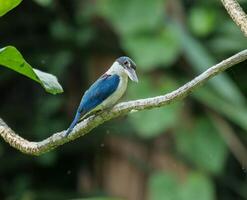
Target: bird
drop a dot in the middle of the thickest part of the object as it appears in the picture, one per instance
(106, 90)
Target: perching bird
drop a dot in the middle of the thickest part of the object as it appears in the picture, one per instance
(107, 90)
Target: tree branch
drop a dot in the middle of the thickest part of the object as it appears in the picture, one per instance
(237, 14)
(84, 127)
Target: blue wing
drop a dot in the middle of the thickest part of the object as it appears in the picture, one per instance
(94, 96)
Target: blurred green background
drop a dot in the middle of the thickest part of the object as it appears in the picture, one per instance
(194, 149)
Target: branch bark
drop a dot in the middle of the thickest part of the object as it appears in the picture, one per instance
(236, 13)
(84, 127)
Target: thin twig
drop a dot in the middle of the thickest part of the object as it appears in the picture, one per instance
(84, 127)
(237, 14)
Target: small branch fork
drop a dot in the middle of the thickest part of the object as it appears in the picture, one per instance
(84, 127)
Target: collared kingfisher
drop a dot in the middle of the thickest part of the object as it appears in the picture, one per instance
(107, 90)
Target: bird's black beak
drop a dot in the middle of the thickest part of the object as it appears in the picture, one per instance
(132, 74)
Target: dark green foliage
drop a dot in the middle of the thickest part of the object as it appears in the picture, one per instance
(173, 153)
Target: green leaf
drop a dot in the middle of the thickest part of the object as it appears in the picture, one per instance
(156, 121)
(7, 5)
(197, 186)
(202, 145)
(202, 20)
(131, 16)
(11, 58)
(163, 187)
(153, 50)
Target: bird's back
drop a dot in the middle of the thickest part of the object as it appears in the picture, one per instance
(99, 92)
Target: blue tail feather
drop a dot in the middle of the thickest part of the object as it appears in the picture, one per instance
(72, 125)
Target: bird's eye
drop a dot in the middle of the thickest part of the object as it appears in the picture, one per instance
(126, 63)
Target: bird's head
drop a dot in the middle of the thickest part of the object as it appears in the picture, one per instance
(128, 67)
